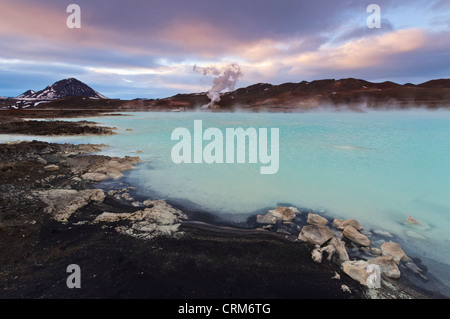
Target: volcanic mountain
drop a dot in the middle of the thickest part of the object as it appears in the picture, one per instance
(61, 89)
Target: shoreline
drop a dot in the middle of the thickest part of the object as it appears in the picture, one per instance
(410, 280)
(50, 240)
(414, 272)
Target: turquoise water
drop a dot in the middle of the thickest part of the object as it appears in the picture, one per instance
(377, 167)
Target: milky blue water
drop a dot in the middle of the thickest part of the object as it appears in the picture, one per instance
(377, 167)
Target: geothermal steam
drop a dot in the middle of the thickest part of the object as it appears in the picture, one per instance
(225, 78)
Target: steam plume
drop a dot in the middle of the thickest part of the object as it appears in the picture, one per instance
(225, 78)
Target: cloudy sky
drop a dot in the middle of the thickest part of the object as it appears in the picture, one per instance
(147, 48)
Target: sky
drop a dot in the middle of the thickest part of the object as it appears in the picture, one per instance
(148, 48)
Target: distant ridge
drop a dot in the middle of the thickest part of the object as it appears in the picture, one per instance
(305, 95)
(436, 84)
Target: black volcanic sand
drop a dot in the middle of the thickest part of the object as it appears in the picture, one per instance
(201, 264)
(207, 261)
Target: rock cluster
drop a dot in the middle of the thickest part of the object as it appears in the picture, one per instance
(333, 243)
(391, 255)
(355, 236)
(318, 233)
(62, 185)
(315, 219)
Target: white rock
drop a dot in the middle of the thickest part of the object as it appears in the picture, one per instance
(374, 279)
(337, 222)
(330, 250)
(284, 213)
(345, 288)
(376, 251)
(394, 250)
(62, 203)
(316, 255)
(387, 265)
(266, 219)
(336, 276)
(315, 219)
(355, 236)
(159, 220)
(363, 272)
(316, 234)
(349, 222)
(339, 246)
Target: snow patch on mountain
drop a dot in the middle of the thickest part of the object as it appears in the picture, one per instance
(64, 88)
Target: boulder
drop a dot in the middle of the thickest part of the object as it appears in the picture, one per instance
(374, 279)
(355, 236)
(285, 214)
(316, 234)
(412, 220)
(394, 250)
(365, 273)
(127, 197)
(316, 255)
(345, 288)
(62, 203)
(339, 246)
(111, 169)
(387, 265)
(314, 219)
(356, 269)
(349, 222)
